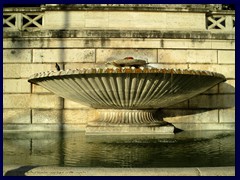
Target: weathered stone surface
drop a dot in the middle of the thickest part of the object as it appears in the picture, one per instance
(190, 116)
(21, 38)
(44, 127)
(64, 20)
(45, 101)
(217, 171)
(128, 130)
(68, 104)
(39, 89)
(123, 20)
(183, 104)
(213, 101)
(32, 101)
(168, 65)
(132, 7)
(96, 19)
(187, 43)
(25, 70)
(226, 57)
(104, 55)
(63, 55)
(187, 56)
(136, 39)
(153, 20)
(227, 87)
(223, 44)
(47, 116)
(16, 86)
(70, 65)
(78, 116)
(17, 55)
(227, 115)
(87, 171)
(185, 21)
(205, 126)
(227, 70)
(16, 116)
(16, 101)
(130, 43)
(198, 43)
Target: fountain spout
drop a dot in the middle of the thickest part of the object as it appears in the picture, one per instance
(128, 62)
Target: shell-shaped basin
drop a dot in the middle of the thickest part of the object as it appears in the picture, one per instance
(127, 88)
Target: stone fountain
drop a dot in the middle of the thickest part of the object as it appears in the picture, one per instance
(127, 95)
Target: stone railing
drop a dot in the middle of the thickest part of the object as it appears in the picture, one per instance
(221, 21)
(22, 21)
(35, 19)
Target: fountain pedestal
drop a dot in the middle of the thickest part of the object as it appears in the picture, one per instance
(127, 121)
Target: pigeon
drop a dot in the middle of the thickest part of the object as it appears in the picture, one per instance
(57, 67)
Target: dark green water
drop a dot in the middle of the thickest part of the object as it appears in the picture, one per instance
(184, 149)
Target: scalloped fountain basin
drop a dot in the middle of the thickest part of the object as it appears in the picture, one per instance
(127, 97)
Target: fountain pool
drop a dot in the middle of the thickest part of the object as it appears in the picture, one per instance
(75, 149)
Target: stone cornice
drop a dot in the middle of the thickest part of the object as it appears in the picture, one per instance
(204, 8)
(120, 34)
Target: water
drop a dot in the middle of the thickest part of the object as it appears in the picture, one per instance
(184, 149)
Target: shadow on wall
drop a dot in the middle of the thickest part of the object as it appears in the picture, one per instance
(19, 171)
(15, 117)
(19, 119)
(203, 103)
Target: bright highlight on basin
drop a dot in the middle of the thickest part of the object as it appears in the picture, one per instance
(127, 96)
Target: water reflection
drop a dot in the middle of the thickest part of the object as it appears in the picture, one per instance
(185, 149)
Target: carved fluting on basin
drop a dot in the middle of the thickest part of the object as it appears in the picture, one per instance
(126, 116)
(127, 88)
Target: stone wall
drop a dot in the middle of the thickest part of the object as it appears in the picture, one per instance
(196, 37)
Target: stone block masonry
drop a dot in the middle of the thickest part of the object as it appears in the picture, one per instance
(164, 36)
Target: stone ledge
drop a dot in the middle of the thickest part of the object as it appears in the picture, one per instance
(129, 130)
(119, 7)
(15, 170)
(121, 34)
(205, 126)
(211, 8)
(225, 46)
(133, 7)
(43, 127)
